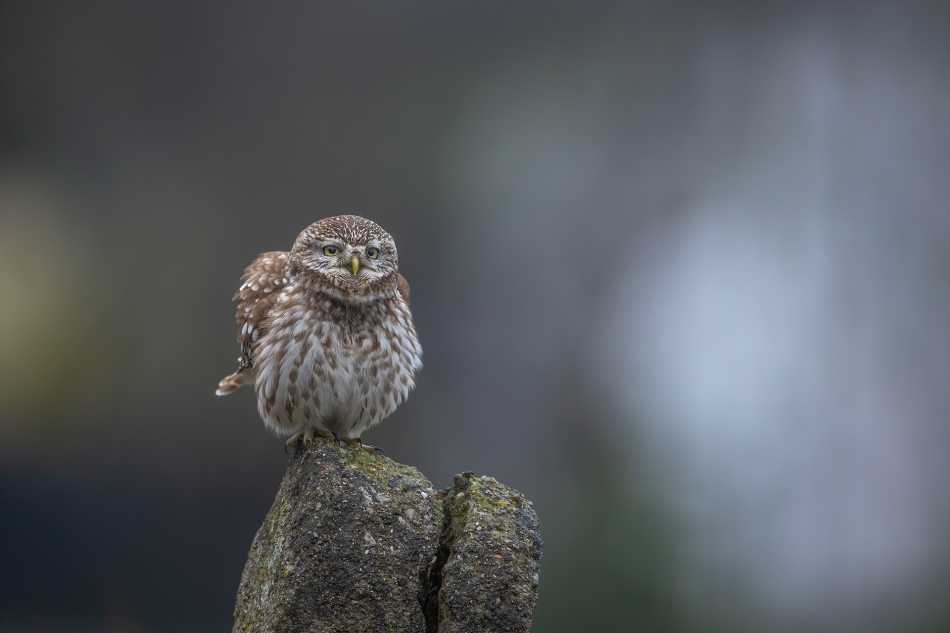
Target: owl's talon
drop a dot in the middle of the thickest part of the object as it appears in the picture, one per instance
(306, 436)
(375, 450)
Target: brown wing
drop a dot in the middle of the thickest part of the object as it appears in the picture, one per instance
(263, 280)
(403, 287)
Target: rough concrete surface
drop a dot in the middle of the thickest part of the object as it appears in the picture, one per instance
(357, 542)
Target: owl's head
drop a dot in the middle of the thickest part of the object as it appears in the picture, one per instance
(347, 257)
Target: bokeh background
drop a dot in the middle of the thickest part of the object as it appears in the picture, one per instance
(681, 272)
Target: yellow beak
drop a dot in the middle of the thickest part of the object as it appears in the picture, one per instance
(355, 265)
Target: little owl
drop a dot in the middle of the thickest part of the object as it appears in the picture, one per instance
(326, 334)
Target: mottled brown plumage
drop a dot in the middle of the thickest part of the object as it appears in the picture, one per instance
(325, 332)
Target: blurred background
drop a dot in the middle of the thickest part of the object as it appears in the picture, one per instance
(681, 272)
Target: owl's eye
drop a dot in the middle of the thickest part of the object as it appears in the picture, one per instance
(372, 253)
(331, 251)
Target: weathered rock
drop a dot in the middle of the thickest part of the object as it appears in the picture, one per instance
(493, 541)
(342, 547)
(357, 542)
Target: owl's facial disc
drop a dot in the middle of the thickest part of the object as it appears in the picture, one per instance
(346, 257)
(348, 263)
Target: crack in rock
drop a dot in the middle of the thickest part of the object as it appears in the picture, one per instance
(484, 574)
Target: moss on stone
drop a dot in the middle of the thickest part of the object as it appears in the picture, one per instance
(489, 579)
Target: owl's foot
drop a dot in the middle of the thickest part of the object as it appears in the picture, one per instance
(375, 450)
(306, 436)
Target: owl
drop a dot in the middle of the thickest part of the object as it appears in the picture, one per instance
(326, 335)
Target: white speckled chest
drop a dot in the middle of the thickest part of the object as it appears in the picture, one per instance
(333, 367)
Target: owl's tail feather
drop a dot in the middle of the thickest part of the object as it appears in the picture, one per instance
(234, 382)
